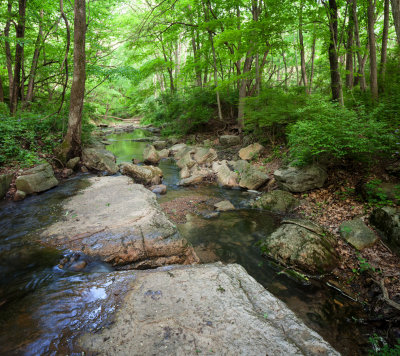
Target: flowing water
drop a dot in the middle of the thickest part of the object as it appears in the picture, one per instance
(40, 301)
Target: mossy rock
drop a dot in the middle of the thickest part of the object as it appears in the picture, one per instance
(277, 201)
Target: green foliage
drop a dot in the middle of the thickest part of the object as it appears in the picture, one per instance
(23, 137)
(376, 196)
(273, 109)
(330, 130)
(180, 113)
(381, 348)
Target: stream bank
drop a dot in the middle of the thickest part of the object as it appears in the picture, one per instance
(230, 237)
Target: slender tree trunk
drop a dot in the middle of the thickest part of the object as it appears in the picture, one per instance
(302, 53)
(349, 49)
(373, 76)
(243, 90)
(215, 75)
(8, 50)
(336, 85)
(1, 91)
(385, 36)
(312, 62)
(72, 141)
(19, 55)
(360, 74)
(396, 17)
(35, 61)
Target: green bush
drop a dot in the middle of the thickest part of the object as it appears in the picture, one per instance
(272, 110)
(325, 129)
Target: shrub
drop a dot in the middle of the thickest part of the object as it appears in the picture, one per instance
(331, 130)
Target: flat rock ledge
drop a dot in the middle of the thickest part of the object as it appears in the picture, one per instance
(203, 309)
(120, 223)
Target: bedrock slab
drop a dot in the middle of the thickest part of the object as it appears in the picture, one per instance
(203, 309)
(121, 223)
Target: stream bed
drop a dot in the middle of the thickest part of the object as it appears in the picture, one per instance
(30, 277)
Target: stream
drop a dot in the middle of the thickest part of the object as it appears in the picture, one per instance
(30, 276)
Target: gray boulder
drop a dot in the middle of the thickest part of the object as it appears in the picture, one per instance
(250, 177)
(5, 181)
(224, 205)
(303, 244)
(277, 201)
(159, 189)
(160, 145)
(71, 164)
(163, 153)
(225, 177)
(300, 179)
(387, 221)
(229, 140)
(222, 308)
(150, 155)
(357, 234)
(147, 175)
(177, 147)
(205, 155)
(121, 223)
(251, 151)
(99, 159)
(37, 179)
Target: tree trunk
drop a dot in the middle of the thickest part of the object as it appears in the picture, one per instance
(396, 17)
(336, 85)
(349, 50)
(373, 76)
(35, 61)
(72, 142)
(302, 54)
(243, 90)
(215, 75)
(1, 91)
(360, 74)
(385, 36)
(312, 62)
(19, 55)
(8, 50)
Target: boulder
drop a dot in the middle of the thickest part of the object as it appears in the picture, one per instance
(205, 309)
(357, 234)
(120, 223)
(224, 205)
(250, 177)
(186, 160)
(147, 175)
(277, 201)
(160, 145)
(19, 195)
(225, 177)
(300, 179)
(303, 244)
(387, 221)
(5, 181)
(159, 189)
(251, 151)
(184, 173)
(176, 148)
(163, 153)
(99, 159)
(205, 156)
(195, 178)
(150, 155)
(37, 179)
(71, 164)
(229, 140)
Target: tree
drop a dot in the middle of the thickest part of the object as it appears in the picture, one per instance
(396, 17)
(373, 69)
(71, 146)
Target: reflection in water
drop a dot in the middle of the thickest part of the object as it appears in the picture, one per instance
(124, 148)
